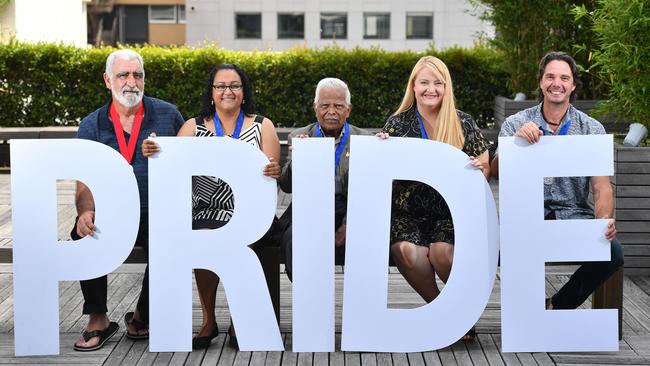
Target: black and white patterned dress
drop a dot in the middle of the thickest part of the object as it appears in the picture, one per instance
(212, 199)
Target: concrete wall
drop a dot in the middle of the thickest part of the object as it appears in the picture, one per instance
(214, 20)
(47, 21)
(8, 21)
(166, 34)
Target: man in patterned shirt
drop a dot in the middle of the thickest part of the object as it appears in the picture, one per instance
(567, 197)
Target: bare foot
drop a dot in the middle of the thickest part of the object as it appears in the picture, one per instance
(207, 329)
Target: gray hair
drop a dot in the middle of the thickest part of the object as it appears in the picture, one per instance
(124, 54)
(332, 83)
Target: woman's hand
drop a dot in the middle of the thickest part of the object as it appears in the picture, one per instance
(476, 163)
(382, 135)
(272, 169)
(481, 162)
(150, 146)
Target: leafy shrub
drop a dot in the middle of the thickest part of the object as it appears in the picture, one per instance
(48, 84)
(526, 30)
(622, 29)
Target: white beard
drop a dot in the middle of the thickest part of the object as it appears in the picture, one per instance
(127, 97)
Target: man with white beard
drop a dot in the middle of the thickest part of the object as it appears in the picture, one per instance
(123, 123)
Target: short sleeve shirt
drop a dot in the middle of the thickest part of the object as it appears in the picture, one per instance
(160, 117)
(564, 197)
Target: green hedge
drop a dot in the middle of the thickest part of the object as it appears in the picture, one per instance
(47, 84)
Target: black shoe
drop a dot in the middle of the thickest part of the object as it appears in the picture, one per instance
(233, 337)
(204, 342)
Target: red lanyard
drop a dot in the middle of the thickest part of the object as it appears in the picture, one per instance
(127, 152)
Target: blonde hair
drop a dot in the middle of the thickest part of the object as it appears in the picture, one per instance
(448, 128)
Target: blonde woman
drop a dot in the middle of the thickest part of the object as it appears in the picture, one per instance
(422, 232)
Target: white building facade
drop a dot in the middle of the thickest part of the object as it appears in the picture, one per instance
(283, 24)
(45, 21)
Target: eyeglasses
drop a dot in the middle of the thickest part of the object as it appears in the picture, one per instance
(222, 87)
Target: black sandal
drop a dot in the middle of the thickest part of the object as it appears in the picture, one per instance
(104, 335)
(139, 326)
(232, 341)
(204, 342)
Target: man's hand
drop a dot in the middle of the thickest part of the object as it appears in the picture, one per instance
(86, 224)
(610, 232)
(382, 135)
(301, 136)
(339, 237)
(150, 146)
(530, 131)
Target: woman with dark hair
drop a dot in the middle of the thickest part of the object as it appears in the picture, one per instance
(227, 109)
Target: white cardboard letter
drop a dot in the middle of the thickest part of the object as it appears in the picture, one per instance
(40, 261)
(528, 241)
(367, 322)
(313, 245)
(175, 248)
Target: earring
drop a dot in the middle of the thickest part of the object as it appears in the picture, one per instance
(243, 101)
(212, 102)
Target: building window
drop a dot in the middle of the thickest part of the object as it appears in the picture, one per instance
(133, 26)
(248, 25)
(333, 25)
(376, 25)
(291, 25)
(162, 14)
(181, 14)
(419, 26)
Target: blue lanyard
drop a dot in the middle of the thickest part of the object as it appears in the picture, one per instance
(342, 142)
(235, 134)
(563, 131)
(422, 130)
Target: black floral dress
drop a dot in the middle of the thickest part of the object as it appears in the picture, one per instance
(419, 214)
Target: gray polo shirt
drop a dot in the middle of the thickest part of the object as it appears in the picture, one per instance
(564, 197)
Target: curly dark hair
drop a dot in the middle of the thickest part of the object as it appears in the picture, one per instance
(207, 107)
(559, 56)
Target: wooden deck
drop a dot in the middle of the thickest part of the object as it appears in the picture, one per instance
(124, 286)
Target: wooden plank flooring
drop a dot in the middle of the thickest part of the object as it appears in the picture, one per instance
(124, 285)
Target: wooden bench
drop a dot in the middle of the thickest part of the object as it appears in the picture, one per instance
(608, 296)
